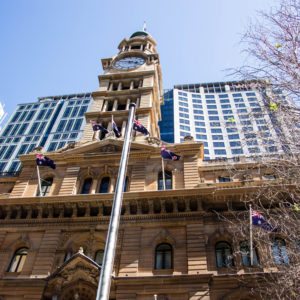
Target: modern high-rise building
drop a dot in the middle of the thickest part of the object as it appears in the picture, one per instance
(230, 118)
(51, 123)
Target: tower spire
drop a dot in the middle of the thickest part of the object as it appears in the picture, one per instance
(144, 26)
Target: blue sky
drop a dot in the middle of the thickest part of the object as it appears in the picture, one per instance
(54, 47)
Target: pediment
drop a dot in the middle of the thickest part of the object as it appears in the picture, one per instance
(107, 147)
(79, 270)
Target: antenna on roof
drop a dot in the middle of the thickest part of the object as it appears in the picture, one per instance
(144, 26)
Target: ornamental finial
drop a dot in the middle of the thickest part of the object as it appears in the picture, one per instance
(144, 26)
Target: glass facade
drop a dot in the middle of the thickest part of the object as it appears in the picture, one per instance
(51, 123)
(167, 123)
(229, 117)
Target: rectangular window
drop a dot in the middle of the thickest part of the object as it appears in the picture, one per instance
(215, 124)
(23, 149)
(82, 111)
(252, 99)
(224, 106)
(184, 133)
(228, 111)
(218, 144)
(187, 128)
(182, 115)
(2, 166)
(48, 114)
(223, 96)
(52, 147)
(16, 116)
(67, 112)
(183, 104)
(224, 101)
(206, 151)
(15, 165)
(237, 95)
(203, 130)
(41, 114)
(183, 121)
(244, 117)
(220, 152)
(254, 104)
(263, 128)
(250, 94)
(73, 135)
(247, 129)
(33, 128)
(233, 136)
(9, 152)
(251, 142)
(198, 111)
(41, 128)
(254, 150)
(199, 123)
(212, 112)
(182, 98)
(217, 137)
(61, 126)
(30, 115)
(183, 109)
(211, 106)
(197, 106)
(242, 111)
(22, 128)
(197, 101)
(237, 151)
(201, 137)
(2, 150)
(235, 144)
(258, 109)
(239, 100)
(261, 121)
(196, 96)
(77, 124)
(213, 118)
(210, 96)
(246, 122)
(15, 129)
(199, 118)
(75, 111)
(216, 130)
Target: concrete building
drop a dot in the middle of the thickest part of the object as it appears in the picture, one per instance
(3, 114)
(230, 118)
(170, 242)
(51, 122)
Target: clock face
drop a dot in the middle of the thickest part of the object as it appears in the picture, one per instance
(131, 62)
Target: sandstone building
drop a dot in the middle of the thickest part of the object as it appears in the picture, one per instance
(170, 244)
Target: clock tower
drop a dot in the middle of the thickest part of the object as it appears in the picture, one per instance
(131, 76)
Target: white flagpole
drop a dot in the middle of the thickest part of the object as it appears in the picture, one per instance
(251, 237)
(103, 290)
(39, 180)
(155, 297)
(163, 173)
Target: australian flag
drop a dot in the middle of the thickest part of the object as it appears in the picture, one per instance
(167, 154)
(96, 126)
(259, 220)
(137, 126)
(42, 160)
(116, 129)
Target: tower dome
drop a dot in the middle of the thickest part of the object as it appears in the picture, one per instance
(139, 33)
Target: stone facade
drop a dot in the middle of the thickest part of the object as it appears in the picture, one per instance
(62, 231)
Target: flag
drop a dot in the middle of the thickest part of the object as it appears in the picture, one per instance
(167, 154)
(137, 126)
(116, 129)
(42, 160)
(259, 220)
(96, 126)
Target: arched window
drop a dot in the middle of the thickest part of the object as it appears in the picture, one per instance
(104, 185)
(46, 186)
(245, 252)
(99, 257)
(86, 187)
(18, 260)
(224, 255)
(168, 180)
(279, 252)
(163, 256)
